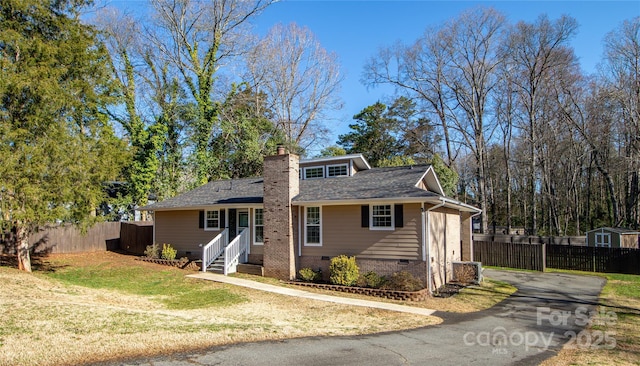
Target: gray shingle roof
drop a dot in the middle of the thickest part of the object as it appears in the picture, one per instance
(378, 183)
(248, 190)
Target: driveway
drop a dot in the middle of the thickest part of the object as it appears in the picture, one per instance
(547, 311)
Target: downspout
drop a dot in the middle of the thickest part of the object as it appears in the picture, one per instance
(427, 245)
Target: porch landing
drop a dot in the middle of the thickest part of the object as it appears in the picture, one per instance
(309, 295)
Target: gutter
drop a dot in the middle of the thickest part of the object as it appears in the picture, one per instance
(426, 242)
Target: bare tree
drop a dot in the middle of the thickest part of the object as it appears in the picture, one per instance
(418, 70)
(472, 46)
(198, 38)
(621, 69)
(534, 54)
(300, 79)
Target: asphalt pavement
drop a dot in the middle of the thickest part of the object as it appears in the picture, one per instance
(547, 311)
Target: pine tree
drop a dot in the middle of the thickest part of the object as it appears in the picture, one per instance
(56, 144)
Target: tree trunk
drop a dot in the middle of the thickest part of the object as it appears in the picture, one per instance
(22, 248)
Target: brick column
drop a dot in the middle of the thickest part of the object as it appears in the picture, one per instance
(281, 184)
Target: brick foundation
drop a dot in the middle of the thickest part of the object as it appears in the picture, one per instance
(383, 267)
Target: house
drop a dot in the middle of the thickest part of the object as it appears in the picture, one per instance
(302, 213)
(613, 237)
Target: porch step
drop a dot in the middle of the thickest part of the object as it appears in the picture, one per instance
(252, 269)
(217, 266)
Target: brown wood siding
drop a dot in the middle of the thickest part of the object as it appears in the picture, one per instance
(343, 234)
(629, 241)
(180, 229)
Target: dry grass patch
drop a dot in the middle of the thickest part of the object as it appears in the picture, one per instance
(48, 320)
(621, 295)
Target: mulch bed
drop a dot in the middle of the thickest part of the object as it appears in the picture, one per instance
(182, 263)
(387, 294)
(449, 289)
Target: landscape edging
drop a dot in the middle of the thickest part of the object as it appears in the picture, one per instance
(420, 295)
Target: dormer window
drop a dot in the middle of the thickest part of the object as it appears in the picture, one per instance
(314, 172)
(341, 170)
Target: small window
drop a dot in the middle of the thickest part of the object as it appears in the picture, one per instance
(603, 240)
(314, 172)
(337, 170)
(258, 226)
(312, 226)
(382, 217)
(212, 220)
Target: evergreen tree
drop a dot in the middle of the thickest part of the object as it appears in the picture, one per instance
(56, 144)
(373, 135)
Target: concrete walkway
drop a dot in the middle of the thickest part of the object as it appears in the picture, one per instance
(310, 295)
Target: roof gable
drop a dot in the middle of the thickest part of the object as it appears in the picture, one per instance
(431, 181)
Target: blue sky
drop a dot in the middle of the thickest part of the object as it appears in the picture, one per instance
(355, 30)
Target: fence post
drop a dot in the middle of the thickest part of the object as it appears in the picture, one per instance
(544, 257)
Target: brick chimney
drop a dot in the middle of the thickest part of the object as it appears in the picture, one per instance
(281, 184)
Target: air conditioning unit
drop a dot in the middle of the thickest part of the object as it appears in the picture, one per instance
(467, 272)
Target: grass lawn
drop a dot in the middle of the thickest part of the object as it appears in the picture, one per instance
(90, 307)
(473, 298)
(621, 296)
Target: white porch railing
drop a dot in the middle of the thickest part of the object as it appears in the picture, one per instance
(213, 249)
(238, 247)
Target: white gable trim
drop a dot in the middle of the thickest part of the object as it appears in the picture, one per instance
(431, 180)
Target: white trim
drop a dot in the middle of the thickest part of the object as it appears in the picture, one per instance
(299, 220)
(392, 209)
(319, 226)
(153, 216)
(238, 212)
(428, 258)
(253, 226)
(356, 158)
(304, 171)
(601, 243)
(206, 220)
(432, 173)
(346, 169)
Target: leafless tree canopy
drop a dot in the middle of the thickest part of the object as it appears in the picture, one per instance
(537, 144)
(299, 77)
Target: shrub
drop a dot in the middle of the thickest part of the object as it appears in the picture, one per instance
(403, 281)
(309, 275)
(465, 273)
(343, 270)
(152, 251)
(168, 252)
(372, 280)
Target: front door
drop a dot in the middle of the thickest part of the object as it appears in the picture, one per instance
(232, 224)
(243, 220)
(238, 220)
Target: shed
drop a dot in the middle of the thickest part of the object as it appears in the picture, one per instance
(613, 237)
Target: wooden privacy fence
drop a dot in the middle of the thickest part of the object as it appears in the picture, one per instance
(594, 259)
(129, 236)
(524, 239)
(537, 257)
(70, 239)
(523, 256)
(135, 236)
